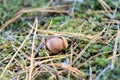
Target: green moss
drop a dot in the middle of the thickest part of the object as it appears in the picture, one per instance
(86, 21)
(106, 48)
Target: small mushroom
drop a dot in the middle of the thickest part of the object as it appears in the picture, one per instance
(56, 44)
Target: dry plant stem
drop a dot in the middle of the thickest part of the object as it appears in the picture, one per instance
(112, 56)
(7, 57)
(81, 26)
(93, 57)
(42, 10)
(53, 64)
(110, 21)
(48, 9)
(68, 67)
(106, 7)
(90, 77)
(10, 21)
(20, 65)
(115, 49)
(54, 7)
(46, 57)
(110, 38)
(15, 54)
(47, 60)
(100, 11)
(21, 12)
(86, 47)
(32, 54)
(22, 54)
(103, 72)
(4, 45)
(104, 4)
(70, 61)
(59, 6)
(67, 34)
(48, 70)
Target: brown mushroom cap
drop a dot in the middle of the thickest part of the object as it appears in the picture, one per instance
(56, 44)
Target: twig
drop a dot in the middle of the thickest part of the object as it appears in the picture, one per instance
(104, 4)
(41, 10)
(90, 77)
(100, 11)
(70, 61)
(21, 12)
(110, 21)
(32, 54)
(115, 49)
(103, 72)
(47, 60)
(106, 7)
(46, 57)
(67, 34)
(112, 57)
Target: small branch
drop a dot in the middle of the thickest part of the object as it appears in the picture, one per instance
(51, 59)
(67, 34)
(115, 49)
(33, 46)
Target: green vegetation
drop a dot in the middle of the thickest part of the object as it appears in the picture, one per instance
(97, 19)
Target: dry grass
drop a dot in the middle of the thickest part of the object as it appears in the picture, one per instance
(92, 52)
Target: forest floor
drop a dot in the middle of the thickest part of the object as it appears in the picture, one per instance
(91, 28)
